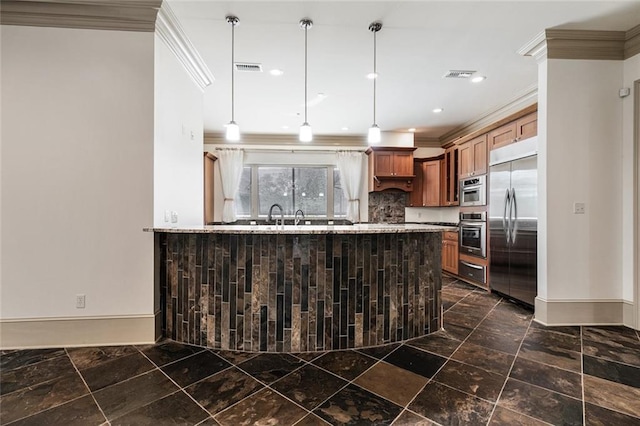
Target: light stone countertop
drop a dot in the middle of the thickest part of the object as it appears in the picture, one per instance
(359, 228)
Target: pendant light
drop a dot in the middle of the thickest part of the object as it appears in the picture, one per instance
(306, 135)
(373, 136)
(233, 130)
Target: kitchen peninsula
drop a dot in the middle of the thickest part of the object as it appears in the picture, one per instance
(299, 288)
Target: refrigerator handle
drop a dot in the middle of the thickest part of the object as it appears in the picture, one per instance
(514, 224)
(506, 225)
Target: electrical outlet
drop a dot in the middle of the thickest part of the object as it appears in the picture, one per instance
(578, 208)
(174, 217)
(167, 215)
(80, 300)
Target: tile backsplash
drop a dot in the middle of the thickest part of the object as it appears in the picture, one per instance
(387, 206)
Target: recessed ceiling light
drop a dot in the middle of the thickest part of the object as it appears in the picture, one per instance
(438, 110)
(345, 129)
(276, 72)
(285, 127)
(372, 75)
(412, 129)
(478, 79)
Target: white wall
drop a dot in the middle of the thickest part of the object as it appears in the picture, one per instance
(432, 214)
(178, 154)
(583, 161)
(631, 73)
(77, 173)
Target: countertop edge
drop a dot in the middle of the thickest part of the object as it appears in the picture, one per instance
(306, 229)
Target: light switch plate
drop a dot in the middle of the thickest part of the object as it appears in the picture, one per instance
(578, 208)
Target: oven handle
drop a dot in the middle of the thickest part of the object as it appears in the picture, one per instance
(506, 225)
(471, 265)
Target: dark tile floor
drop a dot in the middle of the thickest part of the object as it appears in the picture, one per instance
(490, 365)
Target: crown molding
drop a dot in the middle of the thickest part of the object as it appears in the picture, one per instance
(585, 44)
(537, 47)
(522, 102)
(632, 42)
(287, 139)
(121, 15)
(420, 141)
(171, 33)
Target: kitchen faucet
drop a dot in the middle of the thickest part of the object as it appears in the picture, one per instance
(271, 213)
(296, 219)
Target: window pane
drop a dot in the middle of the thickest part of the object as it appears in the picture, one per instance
(243, 200)
(339, 199)
(275, 185)
(310, 195)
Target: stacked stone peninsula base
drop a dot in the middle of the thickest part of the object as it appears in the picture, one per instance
(299, 290)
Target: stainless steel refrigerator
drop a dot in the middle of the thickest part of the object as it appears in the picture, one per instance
(513, 220)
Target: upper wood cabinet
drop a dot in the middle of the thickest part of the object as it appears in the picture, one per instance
(431, 183)
(390, 167)
(415, 198)
(522, 128)
(426, 184)
(473, 157)
(392, 163)
(449, 177)
(527, 126)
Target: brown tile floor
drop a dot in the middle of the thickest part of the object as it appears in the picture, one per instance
(490, 365)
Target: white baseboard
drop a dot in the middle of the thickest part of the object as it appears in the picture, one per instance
(583, 312)
(69, 332)
(628, 315)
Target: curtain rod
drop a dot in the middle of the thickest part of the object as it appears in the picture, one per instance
(319, 151)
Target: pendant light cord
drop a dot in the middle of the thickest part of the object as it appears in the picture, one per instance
(305, 72)
(233, 30)
(375, 75)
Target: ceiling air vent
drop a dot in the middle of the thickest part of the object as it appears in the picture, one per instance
(459, 74)
(248, 67)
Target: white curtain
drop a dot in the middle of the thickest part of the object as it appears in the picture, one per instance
(350, 164)
(231, 163)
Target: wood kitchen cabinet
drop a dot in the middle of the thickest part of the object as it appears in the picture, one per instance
(415, 198)
(449, 177)
(522, 128)
(426, 184)
(391, 167)
(473, 157)
(450, 252)
(209, 160)
(431, 183)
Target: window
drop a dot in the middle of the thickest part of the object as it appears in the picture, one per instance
(243, 201)
(315, 190)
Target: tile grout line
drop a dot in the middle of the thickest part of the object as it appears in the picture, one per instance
(584, 404)
(515, 358)
(268, 386)
(180, 388)
(87, 386)
(449, 357)
(327, 371)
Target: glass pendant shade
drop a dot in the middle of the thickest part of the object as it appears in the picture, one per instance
(374, 134)
(233, 132)
(306, 135)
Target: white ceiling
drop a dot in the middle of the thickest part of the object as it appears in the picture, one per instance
(419, 42)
